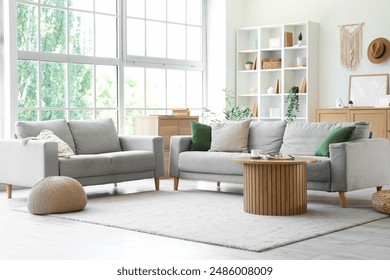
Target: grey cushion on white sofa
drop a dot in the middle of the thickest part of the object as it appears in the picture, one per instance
(58, 127)
(94, 136)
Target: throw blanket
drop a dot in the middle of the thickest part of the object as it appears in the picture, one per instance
(63, 149)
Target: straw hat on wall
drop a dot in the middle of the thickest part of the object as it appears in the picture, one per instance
(378, 50)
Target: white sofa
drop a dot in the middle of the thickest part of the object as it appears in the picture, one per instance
(357, 164)
(101, 156)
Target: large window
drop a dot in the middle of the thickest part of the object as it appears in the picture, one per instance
(106, 58)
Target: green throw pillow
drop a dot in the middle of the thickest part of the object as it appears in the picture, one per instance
(336, 135)
(201, 136)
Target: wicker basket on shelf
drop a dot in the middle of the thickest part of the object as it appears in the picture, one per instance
(272, 63)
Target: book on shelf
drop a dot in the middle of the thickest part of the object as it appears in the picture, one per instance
(288, 41)
(254, 109)
(302, 88)
(277, 86)
(254, 65)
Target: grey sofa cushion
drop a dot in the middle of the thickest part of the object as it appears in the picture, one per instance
(131, 161)
(266, 136)
(95, 136)
(85, 166)
(32, 129)
(106, 164)
(320, 170)
(210, 162)
(304, 138)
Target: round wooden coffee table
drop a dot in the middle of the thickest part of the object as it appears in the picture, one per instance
(275, 187)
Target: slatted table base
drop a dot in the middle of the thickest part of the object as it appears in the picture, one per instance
(275, 189)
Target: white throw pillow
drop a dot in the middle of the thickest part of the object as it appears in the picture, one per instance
(230, 136)
(63, 149)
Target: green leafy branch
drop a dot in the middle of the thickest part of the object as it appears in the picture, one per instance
(232, 112)
(293, 104)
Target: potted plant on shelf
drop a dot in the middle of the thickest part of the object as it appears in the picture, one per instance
(300, 38)
(293, 104)
(248, 65)
(232, 112)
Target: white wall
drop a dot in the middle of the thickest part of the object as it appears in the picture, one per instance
(1, 69)
(223, 18)
(333, 78)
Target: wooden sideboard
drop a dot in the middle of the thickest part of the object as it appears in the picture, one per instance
(165, 126)
(379, 118)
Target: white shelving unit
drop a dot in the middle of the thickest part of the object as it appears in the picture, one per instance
(268, 42)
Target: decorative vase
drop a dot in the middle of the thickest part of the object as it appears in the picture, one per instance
(301, 61)
(270, 90)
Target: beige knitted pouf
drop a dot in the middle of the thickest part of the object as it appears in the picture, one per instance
(56, 194)
(381, 201)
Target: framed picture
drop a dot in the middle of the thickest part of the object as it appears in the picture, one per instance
(382, 101)
(364, 89)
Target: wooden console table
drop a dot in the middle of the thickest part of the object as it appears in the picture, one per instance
(379, 118)
(275, 187)
(165, 126)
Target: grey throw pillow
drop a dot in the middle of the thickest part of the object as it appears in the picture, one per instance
(230, 136)
(95, 136)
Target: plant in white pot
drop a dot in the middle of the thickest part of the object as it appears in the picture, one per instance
(248, 65)
(300, 37)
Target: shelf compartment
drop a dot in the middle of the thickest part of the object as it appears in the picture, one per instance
(294, 78)
(271, 37)
(247, 39)
(295, 29)
(268, 79)
(269, 102)
(291, 56)
(302, 114)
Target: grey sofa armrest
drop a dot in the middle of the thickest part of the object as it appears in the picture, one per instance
(360, 164)
(178, 144)
(25, 165)
(153, 144)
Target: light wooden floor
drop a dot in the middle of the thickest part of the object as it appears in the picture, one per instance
(26, 236)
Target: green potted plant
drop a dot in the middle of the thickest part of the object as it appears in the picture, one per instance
(293, 104)
(248, 65)
(232, 112)
(300, 37)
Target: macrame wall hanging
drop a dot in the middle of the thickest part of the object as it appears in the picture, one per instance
(350, 45)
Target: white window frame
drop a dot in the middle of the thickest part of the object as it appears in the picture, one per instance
(67, 59)
(165, 63)
(9, 101)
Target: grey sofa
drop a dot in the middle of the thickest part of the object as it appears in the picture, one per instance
(357, 164)
(101, 156)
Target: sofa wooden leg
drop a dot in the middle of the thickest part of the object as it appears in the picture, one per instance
(157, 183)
(8, 188)
(343, 200)
(175, 183)
(115, 185)
(218, 183)
(378, 188)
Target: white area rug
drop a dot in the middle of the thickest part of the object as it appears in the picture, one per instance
(218, 218)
